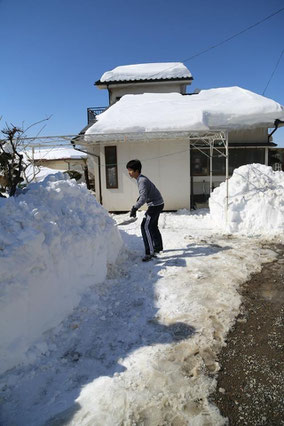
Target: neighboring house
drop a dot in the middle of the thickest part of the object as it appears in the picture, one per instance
(55, 158)
(181, 139)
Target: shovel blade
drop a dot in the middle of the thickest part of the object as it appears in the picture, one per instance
(127, 221)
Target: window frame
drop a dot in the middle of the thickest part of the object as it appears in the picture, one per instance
(111, 165)
(238, 156)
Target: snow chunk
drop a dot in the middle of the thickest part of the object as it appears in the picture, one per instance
(222, 108)
(55, 241)
(256, 201)
(151, 71)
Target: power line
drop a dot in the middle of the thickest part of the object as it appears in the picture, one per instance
(273, 72)
(234, 35)
(66, 137)
(214, 46)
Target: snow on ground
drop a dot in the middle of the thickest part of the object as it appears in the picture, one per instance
(226, 107)
(55, 241)
(159, 70)
(140, 348)
(255, 203)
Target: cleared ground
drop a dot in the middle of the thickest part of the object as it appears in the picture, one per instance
(250, 383)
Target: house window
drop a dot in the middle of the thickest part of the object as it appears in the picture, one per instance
(237, 157)
(111, 167)
(276, 159)
(219, 163)
(199, 163)
(240, 156)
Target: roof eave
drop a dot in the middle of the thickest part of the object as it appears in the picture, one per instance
(47, 160)
(105, 84)
(97, 138)
(251, 144)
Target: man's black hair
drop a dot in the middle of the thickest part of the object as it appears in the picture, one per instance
(134, 165)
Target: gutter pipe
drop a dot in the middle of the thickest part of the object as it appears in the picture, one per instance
(99, 164)
(276, 124)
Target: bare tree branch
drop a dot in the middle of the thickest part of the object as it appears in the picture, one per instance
(36, 123)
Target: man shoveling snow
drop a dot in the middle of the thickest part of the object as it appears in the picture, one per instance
(149, 194)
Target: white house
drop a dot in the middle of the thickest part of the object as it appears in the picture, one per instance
(185, 141)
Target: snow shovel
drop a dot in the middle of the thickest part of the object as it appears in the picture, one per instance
(127, 221)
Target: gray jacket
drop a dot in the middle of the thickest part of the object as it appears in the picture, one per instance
(148, 193)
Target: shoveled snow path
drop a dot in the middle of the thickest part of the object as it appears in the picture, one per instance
(141, 347)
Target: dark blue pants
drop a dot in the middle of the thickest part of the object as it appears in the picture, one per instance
(150, 232)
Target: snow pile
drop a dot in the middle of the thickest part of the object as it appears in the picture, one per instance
(55, 241)
(152, 71)
(256, 202)
(229, 108)
(40, 173)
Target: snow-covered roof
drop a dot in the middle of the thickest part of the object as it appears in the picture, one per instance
(55, 153)
(151, 71)
(222, 108)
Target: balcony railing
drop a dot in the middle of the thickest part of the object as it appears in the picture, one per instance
(92, 113)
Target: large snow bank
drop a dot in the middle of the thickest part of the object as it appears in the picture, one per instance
(229, 108)
(256, 202)
(55, 241)
(160, 70)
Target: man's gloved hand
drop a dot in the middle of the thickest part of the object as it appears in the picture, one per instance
(133, 212)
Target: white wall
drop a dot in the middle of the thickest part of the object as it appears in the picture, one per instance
(166, 163)
(116, 91)
(258, 135)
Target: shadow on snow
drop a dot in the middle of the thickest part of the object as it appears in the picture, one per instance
(119, 319)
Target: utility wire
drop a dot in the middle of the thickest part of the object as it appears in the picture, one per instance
(234, 35)
(273, 72)
(214, 46)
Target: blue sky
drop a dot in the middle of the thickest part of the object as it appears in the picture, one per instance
(53, 51)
